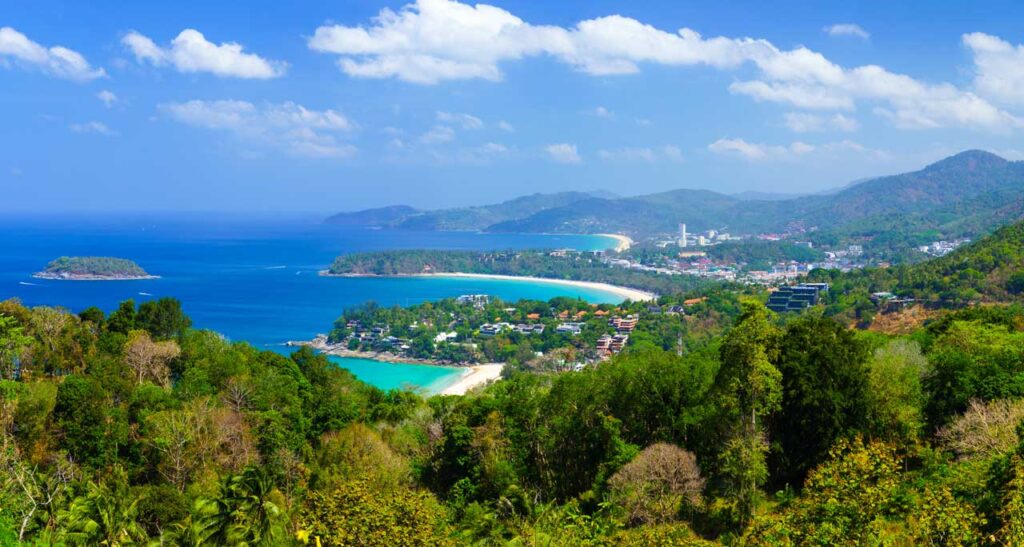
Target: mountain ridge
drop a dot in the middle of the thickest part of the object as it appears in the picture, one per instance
(964, 195)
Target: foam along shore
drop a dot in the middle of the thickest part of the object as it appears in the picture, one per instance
(623, 242)
(90, 277)
(474, 376)
(625, 293)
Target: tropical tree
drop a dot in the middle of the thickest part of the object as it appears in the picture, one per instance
(107, 514)
(246, 510)
(749, 387)
(13, 341)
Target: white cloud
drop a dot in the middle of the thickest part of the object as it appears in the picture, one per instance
(505, 126)
(563, 153)
(466, 121)
(999, 67)
(642, 154)
(107, 98)
(191, 52)
(58, 61)
(438, 134)
(602, 112)
(847, 29)
(803, 122)
(93, 127)
(430, 41)
(796, 150)
(755, 151)
(288, 126)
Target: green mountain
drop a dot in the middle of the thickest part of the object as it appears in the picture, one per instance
(462, 218)
(966, 195)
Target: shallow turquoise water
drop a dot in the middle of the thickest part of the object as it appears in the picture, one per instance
(255, 278)
(428, 378)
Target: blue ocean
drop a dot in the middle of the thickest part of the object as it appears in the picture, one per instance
(254, 278)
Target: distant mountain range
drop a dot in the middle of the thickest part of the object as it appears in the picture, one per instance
(968, 194)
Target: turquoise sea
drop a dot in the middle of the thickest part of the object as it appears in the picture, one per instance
(254, 278)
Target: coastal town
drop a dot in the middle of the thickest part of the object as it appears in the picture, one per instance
(560, 335)
(761, 259)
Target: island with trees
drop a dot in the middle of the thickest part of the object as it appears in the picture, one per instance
(93, 268)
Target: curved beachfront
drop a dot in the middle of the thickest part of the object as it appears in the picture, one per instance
(623, 242)
(625, 293)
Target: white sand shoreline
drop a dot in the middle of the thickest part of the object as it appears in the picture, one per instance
(474, 376)
(624, 241)
(625, 293)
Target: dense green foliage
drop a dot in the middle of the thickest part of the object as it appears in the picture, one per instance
(726, 424)
(100, 266)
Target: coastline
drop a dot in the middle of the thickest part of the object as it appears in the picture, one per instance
(472, 375)
(91, 277)
(625, 293)
(475, 376)
(624, 241)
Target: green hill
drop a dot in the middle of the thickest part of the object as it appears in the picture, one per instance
(988, 270)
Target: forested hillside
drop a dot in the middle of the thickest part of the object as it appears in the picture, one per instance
(987, 271)
(135, 428)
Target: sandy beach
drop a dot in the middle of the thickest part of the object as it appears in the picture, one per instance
(473, 375)
(626, 293)
(476, 375)
(624, 242)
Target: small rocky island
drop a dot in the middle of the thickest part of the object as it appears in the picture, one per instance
(93, 268)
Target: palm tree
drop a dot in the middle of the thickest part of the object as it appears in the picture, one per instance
(242, 512)
(105, 515)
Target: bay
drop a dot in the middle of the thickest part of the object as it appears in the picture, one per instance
(254, 278)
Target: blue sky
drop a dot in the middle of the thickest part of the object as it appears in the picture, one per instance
(340, 105)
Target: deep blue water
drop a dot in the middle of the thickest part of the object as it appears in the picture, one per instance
(255, 278)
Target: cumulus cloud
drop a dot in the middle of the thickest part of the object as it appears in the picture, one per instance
(803, 122)
(756, 151)
(58, 61)
(505, 126)
(847, 29)
(191, 52)
(430, 41)
(602, 112)
(563, 153)
(642, 154)
(999, 67)
(94, 127)
(108, 98)
(466, 121)
(287, 126)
